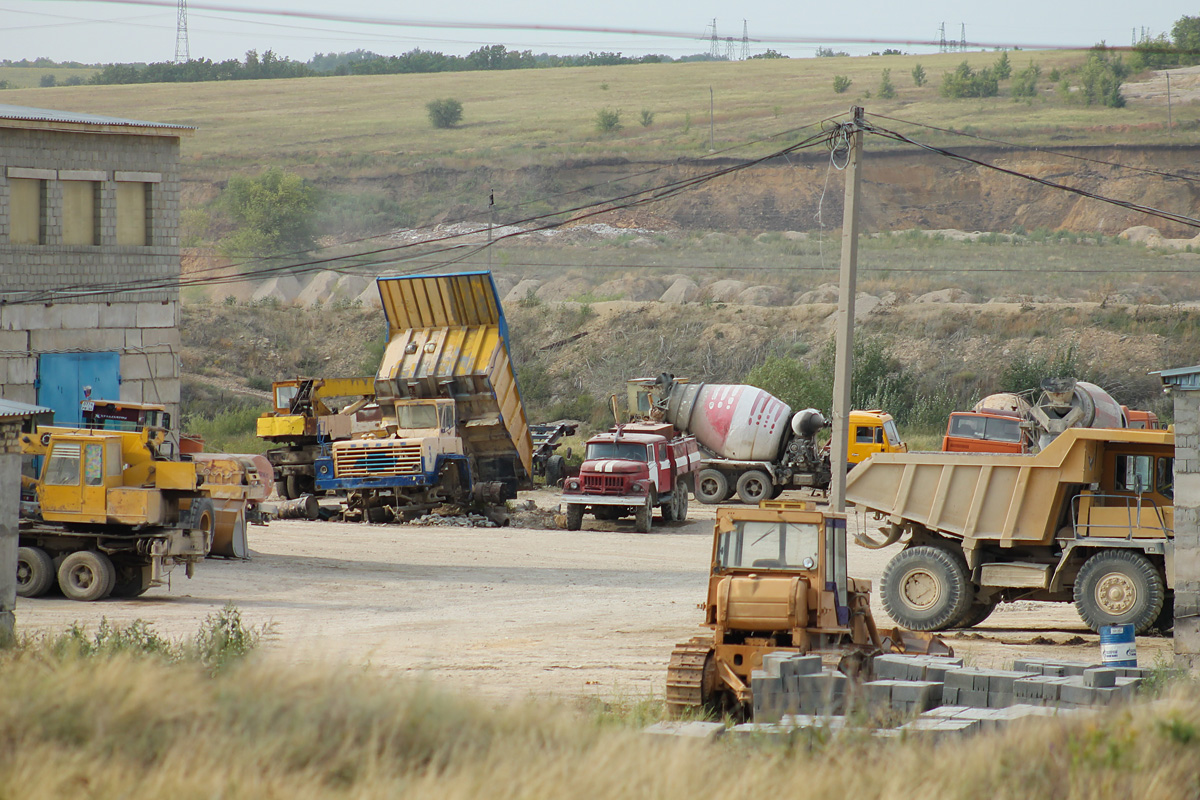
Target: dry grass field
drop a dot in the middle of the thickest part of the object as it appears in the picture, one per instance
(367, 125)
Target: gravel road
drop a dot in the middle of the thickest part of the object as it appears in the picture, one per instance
(506, 612)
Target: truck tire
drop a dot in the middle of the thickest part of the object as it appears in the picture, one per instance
(926, 588)
(86, 575)
(712, 486)
(1119, 587)
(641, 518)
(754, 487)
(976, 613)
(294, 488)
(35, 572)
(681, 506)
(556, 470)
(574, 516)
(204, 517)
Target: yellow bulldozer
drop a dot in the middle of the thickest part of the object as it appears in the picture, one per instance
(110, 509)
(778, 582)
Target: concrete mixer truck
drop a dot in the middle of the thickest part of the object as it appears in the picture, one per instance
(753, 445)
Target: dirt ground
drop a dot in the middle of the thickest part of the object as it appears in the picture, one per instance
(506, 612)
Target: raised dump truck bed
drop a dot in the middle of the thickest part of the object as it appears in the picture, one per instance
(988, 528)
(453, 425)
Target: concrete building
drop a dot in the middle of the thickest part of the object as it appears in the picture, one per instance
(1184, 386)
(89, 259)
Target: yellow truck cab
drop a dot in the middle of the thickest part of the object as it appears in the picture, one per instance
(871, 432)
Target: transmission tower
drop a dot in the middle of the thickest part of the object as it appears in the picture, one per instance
(182, 52)
(745, 40)
(962, 42)
(942, 38)
(714, 45)
(730, 49)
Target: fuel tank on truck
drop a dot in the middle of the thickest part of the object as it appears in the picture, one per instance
(735, 421)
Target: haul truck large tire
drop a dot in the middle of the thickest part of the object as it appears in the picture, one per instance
(35, 572)
(641, 518)
(1119, 587)
(926, 588)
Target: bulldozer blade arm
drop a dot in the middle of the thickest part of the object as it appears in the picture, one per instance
(892, 535)
(900, 640)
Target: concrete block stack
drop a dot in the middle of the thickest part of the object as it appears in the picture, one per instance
(795, 695)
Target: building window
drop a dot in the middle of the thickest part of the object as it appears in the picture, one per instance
(26, 215)
(80, 207)
(133, 219)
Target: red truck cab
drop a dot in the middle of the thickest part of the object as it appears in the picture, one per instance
(633, 469)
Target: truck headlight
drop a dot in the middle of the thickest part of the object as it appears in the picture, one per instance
(639, 487)
(572, 485)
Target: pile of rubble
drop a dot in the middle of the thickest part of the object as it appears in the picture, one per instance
(923, 694)
(454, 521)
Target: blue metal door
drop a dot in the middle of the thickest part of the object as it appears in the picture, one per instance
(63, 378)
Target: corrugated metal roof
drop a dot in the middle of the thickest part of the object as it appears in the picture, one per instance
(77, 118)
(11, 408)
(1187, 378)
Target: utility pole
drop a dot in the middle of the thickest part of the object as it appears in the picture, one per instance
(844, 338)
(491, 223)
(712, 148)
(1168, 74)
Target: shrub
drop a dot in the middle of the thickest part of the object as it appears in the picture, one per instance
(886, 90)
(918, 75)
(647, 118)
(1025, 82)
(966, 82)
(841, 83)
(274, 213)
(48, 80)
(608, 120)
(1002, 69)
(1101, 77)
(445, 112)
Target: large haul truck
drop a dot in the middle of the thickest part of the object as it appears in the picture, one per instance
(452, 424)
(1089, 520)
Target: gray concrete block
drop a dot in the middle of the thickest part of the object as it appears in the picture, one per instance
(973, 698)
(879, 693)
(1000, 699)
(707, 731)
(950, 695)
(1100, 678)
(772, 662)
(923, 695)
(1027, 687)
(1002, 680)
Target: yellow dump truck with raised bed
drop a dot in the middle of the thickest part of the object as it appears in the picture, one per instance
(452, 427)
(1089, 520)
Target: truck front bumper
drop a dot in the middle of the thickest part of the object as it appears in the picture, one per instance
(628, 500)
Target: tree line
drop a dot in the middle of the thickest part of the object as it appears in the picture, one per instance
(362, 62)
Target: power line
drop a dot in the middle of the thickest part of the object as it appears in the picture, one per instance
(1170, 216)
(585, 211)
(1032, 148)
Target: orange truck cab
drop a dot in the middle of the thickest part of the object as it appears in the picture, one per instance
(992, 431)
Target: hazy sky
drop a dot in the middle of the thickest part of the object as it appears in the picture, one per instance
(144, 30)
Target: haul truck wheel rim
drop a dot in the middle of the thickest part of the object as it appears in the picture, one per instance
(920, 589)
(1116, 593)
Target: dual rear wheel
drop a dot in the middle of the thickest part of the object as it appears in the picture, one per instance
(84, 575)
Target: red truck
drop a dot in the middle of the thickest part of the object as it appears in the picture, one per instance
(632, 469)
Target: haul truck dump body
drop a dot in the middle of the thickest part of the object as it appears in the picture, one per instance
(453, 425)
(1089, 519)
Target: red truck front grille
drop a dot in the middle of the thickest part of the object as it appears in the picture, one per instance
(604, 484)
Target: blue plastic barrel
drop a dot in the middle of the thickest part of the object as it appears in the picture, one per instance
(1117, 646)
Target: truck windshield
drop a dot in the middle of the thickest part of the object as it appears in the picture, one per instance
(626, 451)
(977, 426)
(769, 545)
(417, 416)
(893, 435)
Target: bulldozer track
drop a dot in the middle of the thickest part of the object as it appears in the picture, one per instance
(685, 676)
